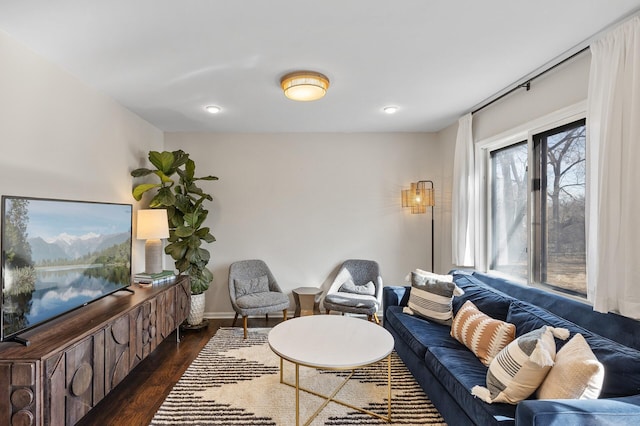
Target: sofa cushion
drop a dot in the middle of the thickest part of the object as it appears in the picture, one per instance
(263, 299)
(490, 301)
(483, 335)
(432, 300)
(459, 370)
(418, 333)
(518, 370)
(623, 330)
(576, 374)
(621, 363)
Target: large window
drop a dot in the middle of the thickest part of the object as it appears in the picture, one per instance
(537, 205)
(509, 210)
(559, 200)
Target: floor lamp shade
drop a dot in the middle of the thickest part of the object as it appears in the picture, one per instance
(152, 226)
(418, 198)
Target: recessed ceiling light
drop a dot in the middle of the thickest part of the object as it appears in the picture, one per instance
(213, 109)
(390, 109)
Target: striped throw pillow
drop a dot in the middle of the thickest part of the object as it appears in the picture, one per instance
(483, 335)
(517, 371)
(432, 301)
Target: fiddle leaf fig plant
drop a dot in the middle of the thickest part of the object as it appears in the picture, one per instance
(178, 192)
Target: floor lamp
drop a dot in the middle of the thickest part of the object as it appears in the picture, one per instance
(418, 198)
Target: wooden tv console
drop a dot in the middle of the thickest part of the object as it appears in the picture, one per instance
(73, 361)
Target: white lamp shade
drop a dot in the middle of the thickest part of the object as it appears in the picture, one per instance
(152, 224)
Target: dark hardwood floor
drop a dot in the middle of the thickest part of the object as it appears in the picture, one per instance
(137, 398)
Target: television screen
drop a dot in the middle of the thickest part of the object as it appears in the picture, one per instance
(58, 255)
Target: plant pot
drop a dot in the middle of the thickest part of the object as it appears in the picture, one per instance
(197, 309)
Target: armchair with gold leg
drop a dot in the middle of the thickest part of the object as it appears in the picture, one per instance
(357, 289)
(253, 290)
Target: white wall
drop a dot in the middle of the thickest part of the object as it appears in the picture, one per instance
(62, 139)
(301, 202)
(560, 88)
(306, 202)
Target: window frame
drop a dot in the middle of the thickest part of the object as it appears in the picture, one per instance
(525, 132)
(539, 197)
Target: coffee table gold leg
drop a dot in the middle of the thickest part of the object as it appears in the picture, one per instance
(330, 398)
(389, 387)
(297, 394)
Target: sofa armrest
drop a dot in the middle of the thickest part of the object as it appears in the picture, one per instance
(609, 411)
(395, 296)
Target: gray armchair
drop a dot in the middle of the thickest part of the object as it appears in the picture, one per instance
(254, 291)
(356, 289)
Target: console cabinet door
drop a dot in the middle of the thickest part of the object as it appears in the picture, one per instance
(143, 331)
(117, 352)
(18, 383)
(166, 313)
(71, 381)
(183, 302)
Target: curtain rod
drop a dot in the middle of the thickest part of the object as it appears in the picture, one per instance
(525, 82)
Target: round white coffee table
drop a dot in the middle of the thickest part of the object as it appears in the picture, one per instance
(331, 342)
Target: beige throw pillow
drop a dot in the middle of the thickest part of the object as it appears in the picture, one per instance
(577, 373)
(483, 335)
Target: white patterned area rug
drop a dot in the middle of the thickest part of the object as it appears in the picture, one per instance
(237, 382)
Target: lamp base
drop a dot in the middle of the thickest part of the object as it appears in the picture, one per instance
(153, 256)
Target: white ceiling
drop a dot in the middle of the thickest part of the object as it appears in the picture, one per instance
(167, 59)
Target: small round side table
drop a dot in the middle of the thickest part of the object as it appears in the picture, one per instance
(307, 301)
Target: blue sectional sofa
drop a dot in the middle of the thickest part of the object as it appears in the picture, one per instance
(447, 370)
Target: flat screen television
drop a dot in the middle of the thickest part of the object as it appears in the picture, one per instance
(59, 255)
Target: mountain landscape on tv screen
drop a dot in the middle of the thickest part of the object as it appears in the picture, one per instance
(68, 247)
(59, 255)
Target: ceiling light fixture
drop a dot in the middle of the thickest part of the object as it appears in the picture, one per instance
(304, 85)
(390, 109)
(213, 109)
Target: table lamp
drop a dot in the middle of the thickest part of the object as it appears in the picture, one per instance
(153, 226)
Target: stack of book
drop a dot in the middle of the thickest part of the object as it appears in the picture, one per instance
(145, 279)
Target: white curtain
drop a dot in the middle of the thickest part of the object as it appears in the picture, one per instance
(613, 172)
(463, 200)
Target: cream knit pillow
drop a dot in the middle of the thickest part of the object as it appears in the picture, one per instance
(577, 373)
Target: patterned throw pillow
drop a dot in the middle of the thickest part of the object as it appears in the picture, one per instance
(349, 286)
(251, 285)
(483, 335)
(577, 373)
(433, 301)
(517, 371)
